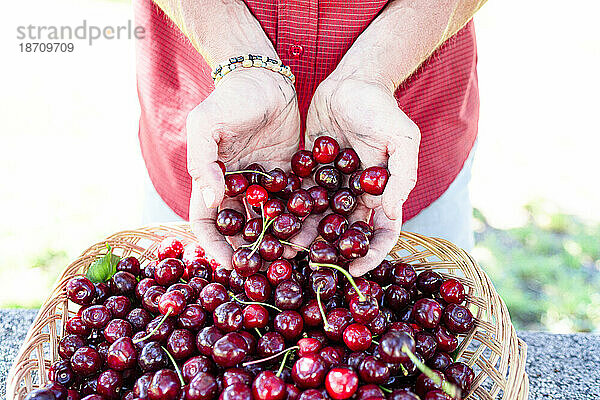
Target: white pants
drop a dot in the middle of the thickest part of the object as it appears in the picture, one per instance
(449, 217)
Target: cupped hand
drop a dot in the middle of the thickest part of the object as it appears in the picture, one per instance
(364, 115)
(251, 116)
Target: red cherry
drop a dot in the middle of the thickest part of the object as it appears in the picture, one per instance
(256, 195)
(374, 179)
(357, 337)
(452, 291)
(235, 184)
(303, 163)
(347, 161)
(273, 207)
(308, 346)
(325, 149)
(341, 383)
(170, 247)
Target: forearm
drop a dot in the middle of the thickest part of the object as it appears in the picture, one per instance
(219, 29)
(404, 35)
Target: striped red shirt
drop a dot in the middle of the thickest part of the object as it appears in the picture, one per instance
(311, 37)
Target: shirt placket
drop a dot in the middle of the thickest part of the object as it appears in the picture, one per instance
(297, 23)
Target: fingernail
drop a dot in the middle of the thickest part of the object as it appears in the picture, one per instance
(208, 196)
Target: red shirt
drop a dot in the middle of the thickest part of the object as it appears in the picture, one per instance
(311, 37)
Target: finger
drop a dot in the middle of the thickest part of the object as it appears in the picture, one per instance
(202, 222)
(202, 155)
(384, 239)
(402, 165)
(308, 233)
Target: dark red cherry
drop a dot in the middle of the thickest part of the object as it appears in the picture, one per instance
(300, 203)
(121, 354)
(374, 179)
(237, 391)
(288, 295)
(338, 320)
(168, 271)
(118, 306)
(425, 384)
(311, 314)
(61, 372)
(230, 222)
(253, 177)
(181, 344)
(328, 178)
(252, 229)
(366, 229)
(232, 376)
(269, 344)
(245, 262)
(172, 303)
(58, 390)
(372, 370)
(170, 247)
(370, 391)
(347, 161)
(404, 275)
(292, 185)
(151, 297)
(140, 388)
(461, 375)
(235, 184)
(458, 319)
(343, 202)
(96, 317)
(213, 295)
(273, 207)
(353, 244)
(206, 339)
(116, 329)
(323, 280)
(426, 344)
(446, 340)
(189, 293)
(268, 386)
(357, 337)
(440, 361)
(392, 344)
(289, 324)
(276, 182)
(285, 226)
(323, 252)
(195, 365)
(429, 282)
(228, 317)
(308, 346)
(220, 275)
(257, 288)
(161, 330)
(354, 183)
(332, 226)
(427, 313)
(320, 199)
(279, 271)
(325, 149)
(313, 394)
(164, 386)
(255, 316)
(303, 163)
(341, 383)
(452, 291)
(152, 357)
(69, 344)
(230, 350)
(437, 394)
(236, 282)
(109, 384)
(143, 285)
(396, 297)
(41, 394)
(270, 248)
(81, 290)
(364, 311)
(256, 195)
(309, 371)
(202, 387)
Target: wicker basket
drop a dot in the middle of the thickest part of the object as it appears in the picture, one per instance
(492, 348)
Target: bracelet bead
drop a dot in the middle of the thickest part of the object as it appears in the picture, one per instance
(249, 61)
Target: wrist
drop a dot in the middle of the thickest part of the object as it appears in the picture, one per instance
(352, 68)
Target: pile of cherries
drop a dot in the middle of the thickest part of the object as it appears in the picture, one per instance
(184, 327)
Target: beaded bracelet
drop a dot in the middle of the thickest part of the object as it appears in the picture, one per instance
(250, 61)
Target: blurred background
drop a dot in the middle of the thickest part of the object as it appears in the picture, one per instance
(72, 172)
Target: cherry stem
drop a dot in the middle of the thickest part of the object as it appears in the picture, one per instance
(404, 371)
(258, 332)
(261, 236)
(164, 318)
(385, 389)
(447, 387)
(361, 296)
(247, 171)
(325, 322)
(254, 302)
(282, 366)
(274, 356)
(294, 245)
(174, 365)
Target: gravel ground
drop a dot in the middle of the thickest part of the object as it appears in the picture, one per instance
(559, 366)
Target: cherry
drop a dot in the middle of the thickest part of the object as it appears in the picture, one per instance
(285, 226)
(425, 384)
(338, 320)
(202, 387)
(269, 344)
(148, 270)
(403, 394)
(328, 178)
(206, 339)
(446, 341)
(404, 275)
(164, 385)
(143, 286)
(236, 282)
(323, 252)
(308, 346)
(80, 290)
(436, 395)
(293, 393)
(429, 282)
(151, 298)
(427, 313)
(61, 372)
(232, 376)
(246, 262)
(311, 314)
(116, 329)
(59, 391)
(300, 203)
(440, 361)
(320, 199)
(235, 184)
(353, 244)
(270, 248)
(374, 179)
(452, 291)
(309, 371)
(181, 344)
(364, 311)
(392, 344)
(253, 177)
(228, 317)
(461, 375)
(369, 391)
(279, 271)
(195, 365)
(168, 271)
(288, 295)
(230, 222)
(229, 350)
(313, 394)
(237, 391)
(289, 324)
(152, 357)
(160, 328)
(96, 317)
(170, 247)
(325, 149)
(268, 386)
(332, 226)
(367, 230)
(275, 182)
(189, 293)
(257, 288)
(121, 354)
(140, 388)
(292, 185)
(357, 337)
(255, 316)
(86, 361)
(458, 319)
(347, 161)
(256, 195)
(109, 384)
(303, 163)
(341, 383)
(272, 208)
(69, 344)
(354, 183)
(426, 344)
(372, 370)
(118, 306)
(252, 229)
(40, 394)
(343, 202)
(172, 303)
(396, 297)
(220, 275)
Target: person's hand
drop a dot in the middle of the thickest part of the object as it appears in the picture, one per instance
(251, 116)
(364, 115)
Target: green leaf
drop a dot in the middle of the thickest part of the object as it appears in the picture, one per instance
(104, 267)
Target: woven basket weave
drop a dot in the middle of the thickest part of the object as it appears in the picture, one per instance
(492, 348)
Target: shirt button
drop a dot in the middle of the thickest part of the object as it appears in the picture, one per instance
(296, 50)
